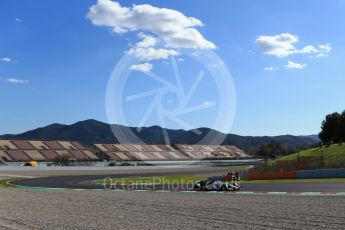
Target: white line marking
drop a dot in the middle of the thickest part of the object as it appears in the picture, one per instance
(18, 176)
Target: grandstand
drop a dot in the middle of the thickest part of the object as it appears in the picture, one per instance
(132, 152)
(48, 151)
(212, 151)
(19, 150)
(127, 152)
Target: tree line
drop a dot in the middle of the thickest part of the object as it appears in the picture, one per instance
(332, 131)
(273, 149)
(333, 128)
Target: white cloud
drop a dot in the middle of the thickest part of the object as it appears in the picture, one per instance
(320, 55)
(294, 65)
(307, 50)
(208, 104)
(147, 40)
(16, 81)
(269, 68)
(278, 45)
(145, 67)
(171, 26)
(18, 20)
(6, 59)
(149, 54)
(326, 47)
(283, 45)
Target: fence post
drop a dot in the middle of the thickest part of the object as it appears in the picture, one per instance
(321, 160)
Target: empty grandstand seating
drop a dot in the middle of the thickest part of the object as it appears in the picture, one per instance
(18, 150)
(127, 152)
(212, 151)
(4, 157)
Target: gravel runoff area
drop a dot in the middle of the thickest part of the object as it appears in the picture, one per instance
(67, 209)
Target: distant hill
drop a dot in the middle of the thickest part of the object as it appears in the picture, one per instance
(90, 132)
(315, 137)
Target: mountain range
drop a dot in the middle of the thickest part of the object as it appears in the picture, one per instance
(91, 131)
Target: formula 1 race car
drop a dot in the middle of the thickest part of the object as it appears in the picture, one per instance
(215, 185)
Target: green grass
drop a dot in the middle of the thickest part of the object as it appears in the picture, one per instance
(235, 167)
(325, 157)
(3, 183)
(334, 152)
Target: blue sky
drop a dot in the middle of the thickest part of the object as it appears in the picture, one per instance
(56, 63)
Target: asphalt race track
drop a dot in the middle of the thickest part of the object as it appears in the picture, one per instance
(85, 182)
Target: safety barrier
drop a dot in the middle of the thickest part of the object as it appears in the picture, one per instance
(299, 174)
(272, 175)
(321, 173)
